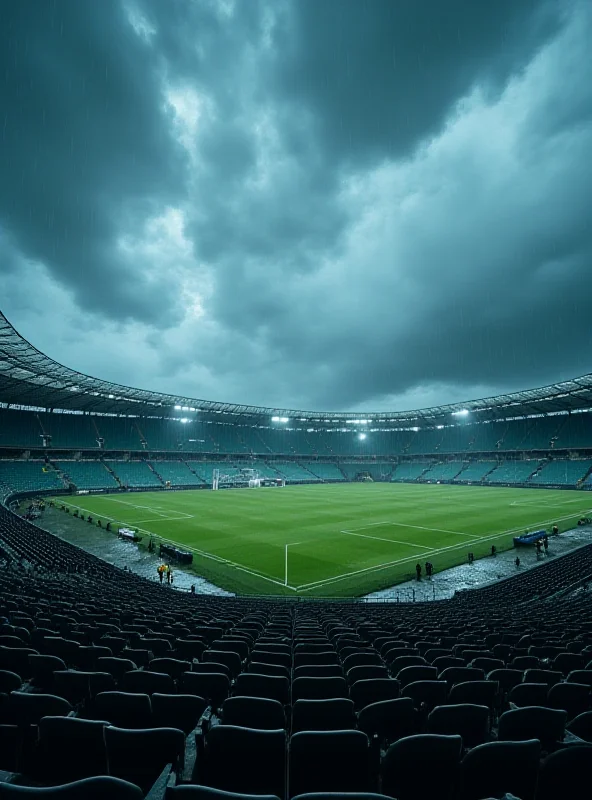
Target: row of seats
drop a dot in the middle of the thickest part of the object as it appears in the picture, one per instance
(259, 435)
(21, 476)
(103, 672)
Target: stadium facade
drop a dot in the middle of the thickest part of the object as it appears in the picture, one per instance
(60, 428)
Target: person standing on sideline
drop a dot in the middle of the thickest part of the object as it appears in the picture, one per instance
(418, 571)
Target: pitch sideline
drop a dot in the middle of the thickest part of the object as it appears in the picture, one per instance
(378, 567)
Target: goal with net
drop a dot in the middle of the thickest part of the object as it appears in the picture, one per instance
(242, 478)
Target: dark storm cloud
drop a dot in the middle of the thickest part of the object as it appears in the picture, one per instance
(381, 76)
(302, 203)
(83, 143)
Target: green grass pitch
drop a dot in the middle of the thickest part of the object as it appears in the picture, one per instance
(344, 540)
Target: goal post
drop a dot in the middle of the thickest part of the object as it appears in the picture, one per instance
(242, 478)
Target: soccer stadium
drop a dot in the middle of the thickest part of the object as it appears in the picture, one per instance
(295, 400)
(294, 510)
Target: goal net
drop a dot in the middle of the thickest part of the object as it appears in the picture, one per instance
(245, 478)
(235, 478)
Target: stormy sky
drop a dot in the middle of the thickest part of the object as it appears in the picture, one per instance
(314, 204)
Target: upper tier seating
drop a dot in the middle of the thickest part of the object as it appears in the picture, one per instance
(20, 429)
(88, 474)
(76, 431)
(188, 433)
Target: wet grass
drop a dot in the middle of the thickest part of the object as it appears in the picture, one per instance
(343, 539)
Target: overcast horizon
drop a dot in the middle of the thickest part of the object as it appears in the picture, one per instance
(303, 204)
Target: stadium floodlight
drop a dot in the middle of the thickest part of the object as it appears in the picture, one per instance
(184, 420)
(361, 436)
(464, 412)
(439, 427)
(415, 429)
(177, 408)
(279, 419)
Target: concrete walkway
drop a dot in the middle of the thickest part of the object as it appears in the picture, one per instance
(106, 545)
(483, 571)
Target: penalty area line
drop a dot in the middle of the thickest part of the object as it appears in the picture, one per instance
(227, 562)
(382, 539)
(415, 527)
(316, 584)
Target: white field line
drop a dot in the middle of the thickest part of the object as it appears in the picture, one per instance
(378, 567)
(547, 504)
(390, 541)
(405, 525)
(155, 509)
(161, 519)
(202, 553)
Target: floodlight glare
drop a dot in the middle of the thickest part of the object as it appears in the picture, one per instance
(462, 413)
(362, 436)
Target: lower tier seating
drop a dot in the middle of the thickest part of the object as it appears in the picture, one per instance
(88, 474)
(117, 683)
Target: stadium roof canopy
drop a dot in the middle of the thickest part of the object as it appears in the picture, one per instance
(30, 378)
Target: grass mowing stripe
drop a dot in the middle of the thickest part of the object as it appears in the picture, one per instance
(239, 537)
